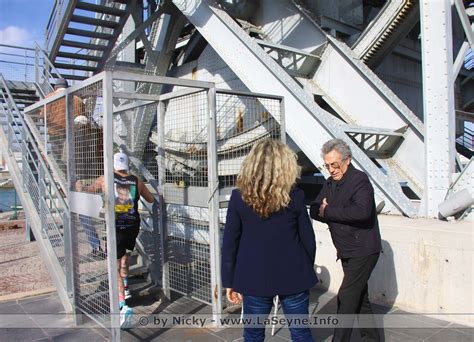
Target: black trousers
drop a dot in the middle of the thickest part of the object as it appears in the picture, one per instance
(353, 296)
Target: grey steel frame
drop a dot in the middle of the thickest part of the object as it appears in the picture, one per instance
(214, 199)
(31, 210)
(107, 78)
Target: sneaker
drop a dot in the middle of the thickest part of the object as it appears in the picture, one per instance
(128, 295)
(126, 317)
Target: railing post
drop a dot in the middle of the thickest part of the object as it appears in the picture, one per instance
(24, 152)
(36, 65)
(45, 130)
(213, 204)
(10, 129)
(109, 203)
(161, 109)
(70, 242)
(282, 121)
(26, 65)
(41, 196)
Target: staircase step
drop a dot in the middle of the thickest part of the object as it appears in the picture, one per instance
(74, 67)
(92, 34)
(100, 9)
(21, 101)
(22, 91)
(78, 56)
(94, 21)
(82, 45)
(25, 97)
(70, 77)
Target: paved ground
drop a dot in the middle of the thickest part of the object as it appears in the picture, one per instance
(22, 270)
(23, 274)
(428, 329)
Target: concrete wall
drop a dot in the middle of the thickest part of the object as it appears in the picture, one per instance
(426, 266)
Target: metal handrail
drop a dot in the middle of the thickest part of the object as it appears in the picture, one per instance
(19, 55)
(55, 207)
(17, 47)
(48, 61)
(54, 21)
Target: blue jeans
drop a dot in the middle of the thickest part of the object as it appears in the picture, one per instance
(90, 231)
(257, 307)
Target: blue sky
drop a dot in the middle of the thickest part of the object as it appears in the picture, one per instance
(24, 21)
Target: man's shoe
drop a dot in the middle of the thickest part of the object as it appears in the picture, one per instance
(126, 317)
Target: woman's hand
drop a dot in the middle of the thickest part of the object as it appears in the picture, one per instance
(233, 297)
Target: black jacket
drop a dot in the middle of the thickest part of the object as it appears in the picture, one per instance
(350, 214)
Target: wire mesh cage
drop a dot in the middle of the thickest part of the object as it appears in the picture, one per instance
(186, 192)
(242, 120)
(48, 198)
(87, 182)
(146, 257)
(189, 160)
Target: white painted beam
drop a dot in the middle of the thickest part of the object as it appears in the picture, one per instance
(438, 101)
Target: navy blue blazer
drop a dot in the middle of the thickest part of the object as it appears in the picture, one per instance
(272, 256)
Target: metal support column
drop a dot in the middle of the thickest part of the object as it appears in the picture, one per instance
(161, 191)
(109, 204)
(438, 101)
(213, 186)
(70, 244)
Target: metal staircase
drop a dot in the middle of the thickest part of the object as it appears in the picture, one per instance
(23, 93)
(81, 35)
(44, 203)
(465, 143)
(391, 24)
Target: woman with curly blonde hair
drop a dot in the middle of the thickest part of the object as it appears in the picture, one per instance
(269, 244)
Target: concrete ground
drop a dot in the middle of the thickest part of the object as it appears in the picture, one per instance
(34, 327)
(23, 306)
(23, 272)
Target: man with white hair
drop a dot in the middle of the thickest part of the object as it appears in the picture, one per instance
(347, 204)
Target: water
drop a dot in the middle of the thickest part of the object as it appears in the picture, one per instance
(7, 199)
